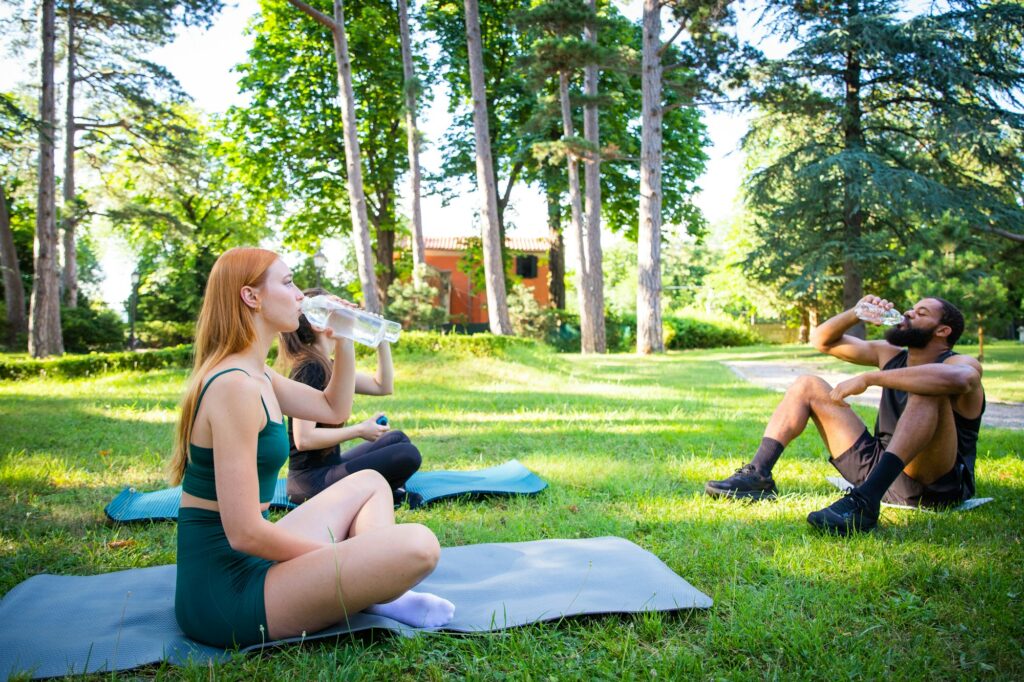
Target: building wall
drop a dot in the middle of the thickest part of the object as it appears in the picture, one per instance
(473, 308)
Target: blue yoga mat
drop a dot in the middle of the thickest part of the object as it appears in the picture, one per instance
(510, 478)
(58, 625)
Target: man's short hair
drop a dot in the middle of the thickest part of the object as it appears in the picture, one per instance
(953, 318)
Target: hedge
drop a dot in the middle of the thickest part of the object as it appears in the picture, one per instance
(180, 357)
(68, 366)
(691, 331)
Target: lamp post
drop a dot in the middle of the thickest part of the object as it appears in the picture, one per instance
(132, 309)
(319, 263)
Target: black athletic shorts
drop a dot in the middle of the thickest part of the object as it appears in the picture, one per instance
(856, 463)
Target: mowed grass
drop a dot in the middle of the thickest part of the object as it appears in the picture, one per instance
(626, 444)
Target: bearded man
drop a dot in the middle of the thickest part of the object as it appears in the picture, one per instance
(923, 449)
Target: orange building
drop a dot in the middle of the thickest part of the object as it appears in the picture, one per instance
(466, 306)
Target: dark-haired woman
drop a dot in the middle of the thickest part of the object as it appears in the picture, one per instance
(316, 460)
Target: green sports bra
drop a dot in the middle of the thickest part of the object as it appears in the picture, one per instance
(271, 454)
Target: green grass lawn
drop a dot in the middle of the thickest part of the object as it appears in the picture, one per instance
(626, 444)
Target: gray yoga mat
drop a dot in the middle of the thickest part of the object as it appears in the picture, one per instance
(966, 505)
(57, 625)
(510, 478)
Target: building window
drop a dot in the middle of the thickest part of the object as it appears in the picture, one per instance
(526, 267)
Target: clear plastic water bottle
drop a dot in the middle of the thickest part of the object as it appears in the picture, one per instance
(392, 330)
(352, 323)
(869, 312)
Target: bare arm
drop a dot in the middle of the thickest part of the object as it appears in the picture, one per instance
(309, 436)
(947, 378)
(333, 405)
(959, 377)
(383, 383)
(831, 337)
(235, 417)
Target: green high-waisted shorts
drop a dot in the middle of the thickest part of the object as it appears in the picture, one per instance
(218, 599)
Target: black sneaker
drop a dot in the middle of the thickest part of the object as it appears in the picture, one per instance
(850, 514)
(746, 483)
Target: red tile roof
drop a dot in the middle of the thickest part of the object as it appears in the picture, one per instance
(528, 244)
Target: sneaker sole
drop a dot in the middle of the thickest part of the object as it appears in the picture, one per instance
(841, 531)
(740, 494)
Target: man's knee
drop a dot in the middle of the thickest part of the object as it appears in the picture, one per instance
(809, 386)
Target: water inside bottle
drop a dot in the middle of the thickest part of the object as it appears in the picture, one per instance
(352, 323)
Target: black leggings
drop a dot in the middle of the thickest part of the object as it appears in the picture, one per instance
(392, 455)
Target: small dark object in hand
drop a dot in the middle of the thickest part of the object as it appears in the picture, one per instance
(382, 420)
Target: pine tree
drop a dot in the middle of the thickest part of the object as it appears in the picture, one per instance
(892, 119)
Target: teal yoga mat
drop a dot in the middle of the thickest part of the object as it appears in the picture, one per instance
(58, 625)
(510, 478)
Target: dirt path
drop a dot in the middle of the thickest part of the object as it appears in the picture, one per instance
(779, 375)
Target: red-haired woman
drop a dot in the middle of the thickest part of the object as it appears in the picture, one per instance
(242, 579)
(316, 462)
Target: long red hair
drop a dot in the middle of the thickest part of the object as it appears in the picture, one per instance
(226, 325)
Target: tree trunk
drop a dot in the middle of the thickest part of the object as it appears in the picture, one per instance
(69, 277)
(592, 175)
(587, 321)
(494, 270)
(14, 290)
(981, 343)
(853, 213)
(44, 315)
(353, 165)
(648, 296)
(384, 227)
(556, 251)
(803, 333)
(411, 86)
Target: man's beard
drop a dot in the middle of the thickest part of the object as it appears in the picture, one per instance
(908, 336)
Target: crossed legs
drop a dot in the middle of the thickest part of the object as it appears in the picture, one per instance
(371, 560)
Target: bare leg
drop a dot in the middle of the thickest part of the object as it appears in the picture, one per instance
(925, 438)
(324, 587)
(808, 398)
(347, 508)
(351, 576)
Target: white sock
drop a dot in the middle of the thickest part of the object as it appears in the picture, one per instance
(418, 609)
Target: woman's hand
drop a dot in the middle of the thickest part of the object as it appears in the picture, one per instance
(370, 430)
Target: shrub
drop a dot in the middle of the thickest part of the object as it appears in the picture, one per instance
(528, 318)
(705, 331)
(412, 304)
(87, 329)
(478, 345)
(163, 334)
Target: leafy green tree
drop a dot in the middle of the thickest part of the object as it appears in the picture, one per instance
(559, 52)
(44, 308)
(951, 263)
(15, 212)
(702, 21)
(178, 206)
(885, 117)
(288, 142)
(107, 66)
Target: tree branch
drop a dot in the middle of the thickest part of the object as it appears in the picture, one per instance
(314, 13)
(667, 43)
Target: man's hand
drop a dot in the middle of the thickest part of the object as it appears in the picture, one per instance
(854, 386)
(880, 302)
(370, 430)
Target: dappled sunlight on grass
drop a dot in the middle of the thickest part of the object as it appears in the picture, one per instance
(626, 444)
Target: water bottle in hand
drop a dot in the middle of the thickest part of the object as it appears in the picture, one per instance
(869, 312)
(352, 323)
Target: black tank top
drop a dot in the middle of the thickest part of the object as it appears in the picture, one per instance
(894, 402)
